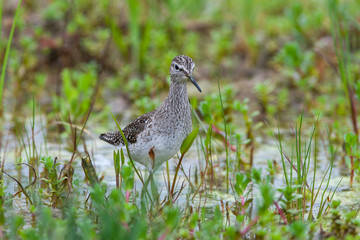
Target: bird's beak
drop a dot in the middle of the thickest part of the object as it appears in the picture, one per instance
(192, 79)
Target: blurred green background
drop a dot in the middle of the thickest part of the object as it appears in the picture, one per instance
(272, 59)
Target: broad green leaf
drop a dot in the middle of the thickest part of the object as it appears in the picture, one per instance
(185, 146)
(241, 183)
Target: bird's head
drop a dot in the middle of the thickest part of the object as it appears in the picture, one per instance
(181, 70)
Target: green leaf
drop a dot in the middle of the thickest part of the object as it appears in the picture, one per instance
(266, 197)
(185, 146)
(256, 175)
(128, 177)
(350, 143)
(241, 183)
(122, 157)
(117, 161)
(172, 216)
(193, 220)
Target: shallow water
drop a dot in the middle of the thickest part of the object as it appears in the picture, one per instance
(102, 157)
(266, 150)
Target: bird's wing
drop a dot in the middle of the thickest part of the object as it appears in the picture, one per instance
(131, 131)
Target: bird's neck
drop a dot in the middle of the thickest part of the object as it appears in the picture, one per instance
(177, 95)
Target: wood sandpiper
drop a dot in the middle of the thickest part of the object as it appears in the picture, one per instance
(164, 129)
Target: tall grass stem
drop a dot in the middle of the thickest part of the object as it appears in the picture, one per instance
(7, 52)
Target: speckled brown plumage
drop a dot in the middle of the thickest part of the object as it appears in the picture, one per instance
(164, 129)
(131, 131)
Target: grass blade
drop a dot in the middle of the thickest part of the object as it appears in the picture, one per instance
(7, 52)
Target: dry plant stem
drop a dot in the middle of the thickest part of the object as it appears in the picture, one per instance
(251, 154)
(353, 110)
(73, 138)
(248, 227)
(218, 131)
(298, 148)
(228, 213)
(203, 176)
(175, 176)
(168, 176)
(352, 171)
(21, 186)
(250, 136)
(67, 124)
(287, 158)
(226, 140)
(117, 181)
(165, 234)
(212, 173)
(34, 180)
(181, 189)
(340, 37)
(187, 176)
(327, 59)
(34, 150)
(167, 183)
(222, 206)
(86, 118)
(205, 200)
(303, 203)
(77, 139)
(2, 160)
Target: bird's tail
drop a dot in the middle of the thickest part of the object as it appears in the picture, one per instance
(112, 138)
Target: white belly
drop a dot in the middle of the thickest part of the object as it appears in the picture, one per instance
(164, 134)
(164, 147)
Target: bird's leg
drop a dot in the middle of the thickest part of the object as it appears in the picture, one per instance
(151, 172)
(144, 191)
(150, 178)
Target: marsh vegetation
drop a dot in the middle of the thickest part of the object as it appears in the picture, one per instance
(275, 150)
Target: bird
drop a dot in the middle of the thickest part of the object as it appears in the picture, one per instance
(155, 137)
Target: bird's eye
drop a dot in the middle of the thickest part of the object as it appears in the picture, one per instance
(177, 67)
